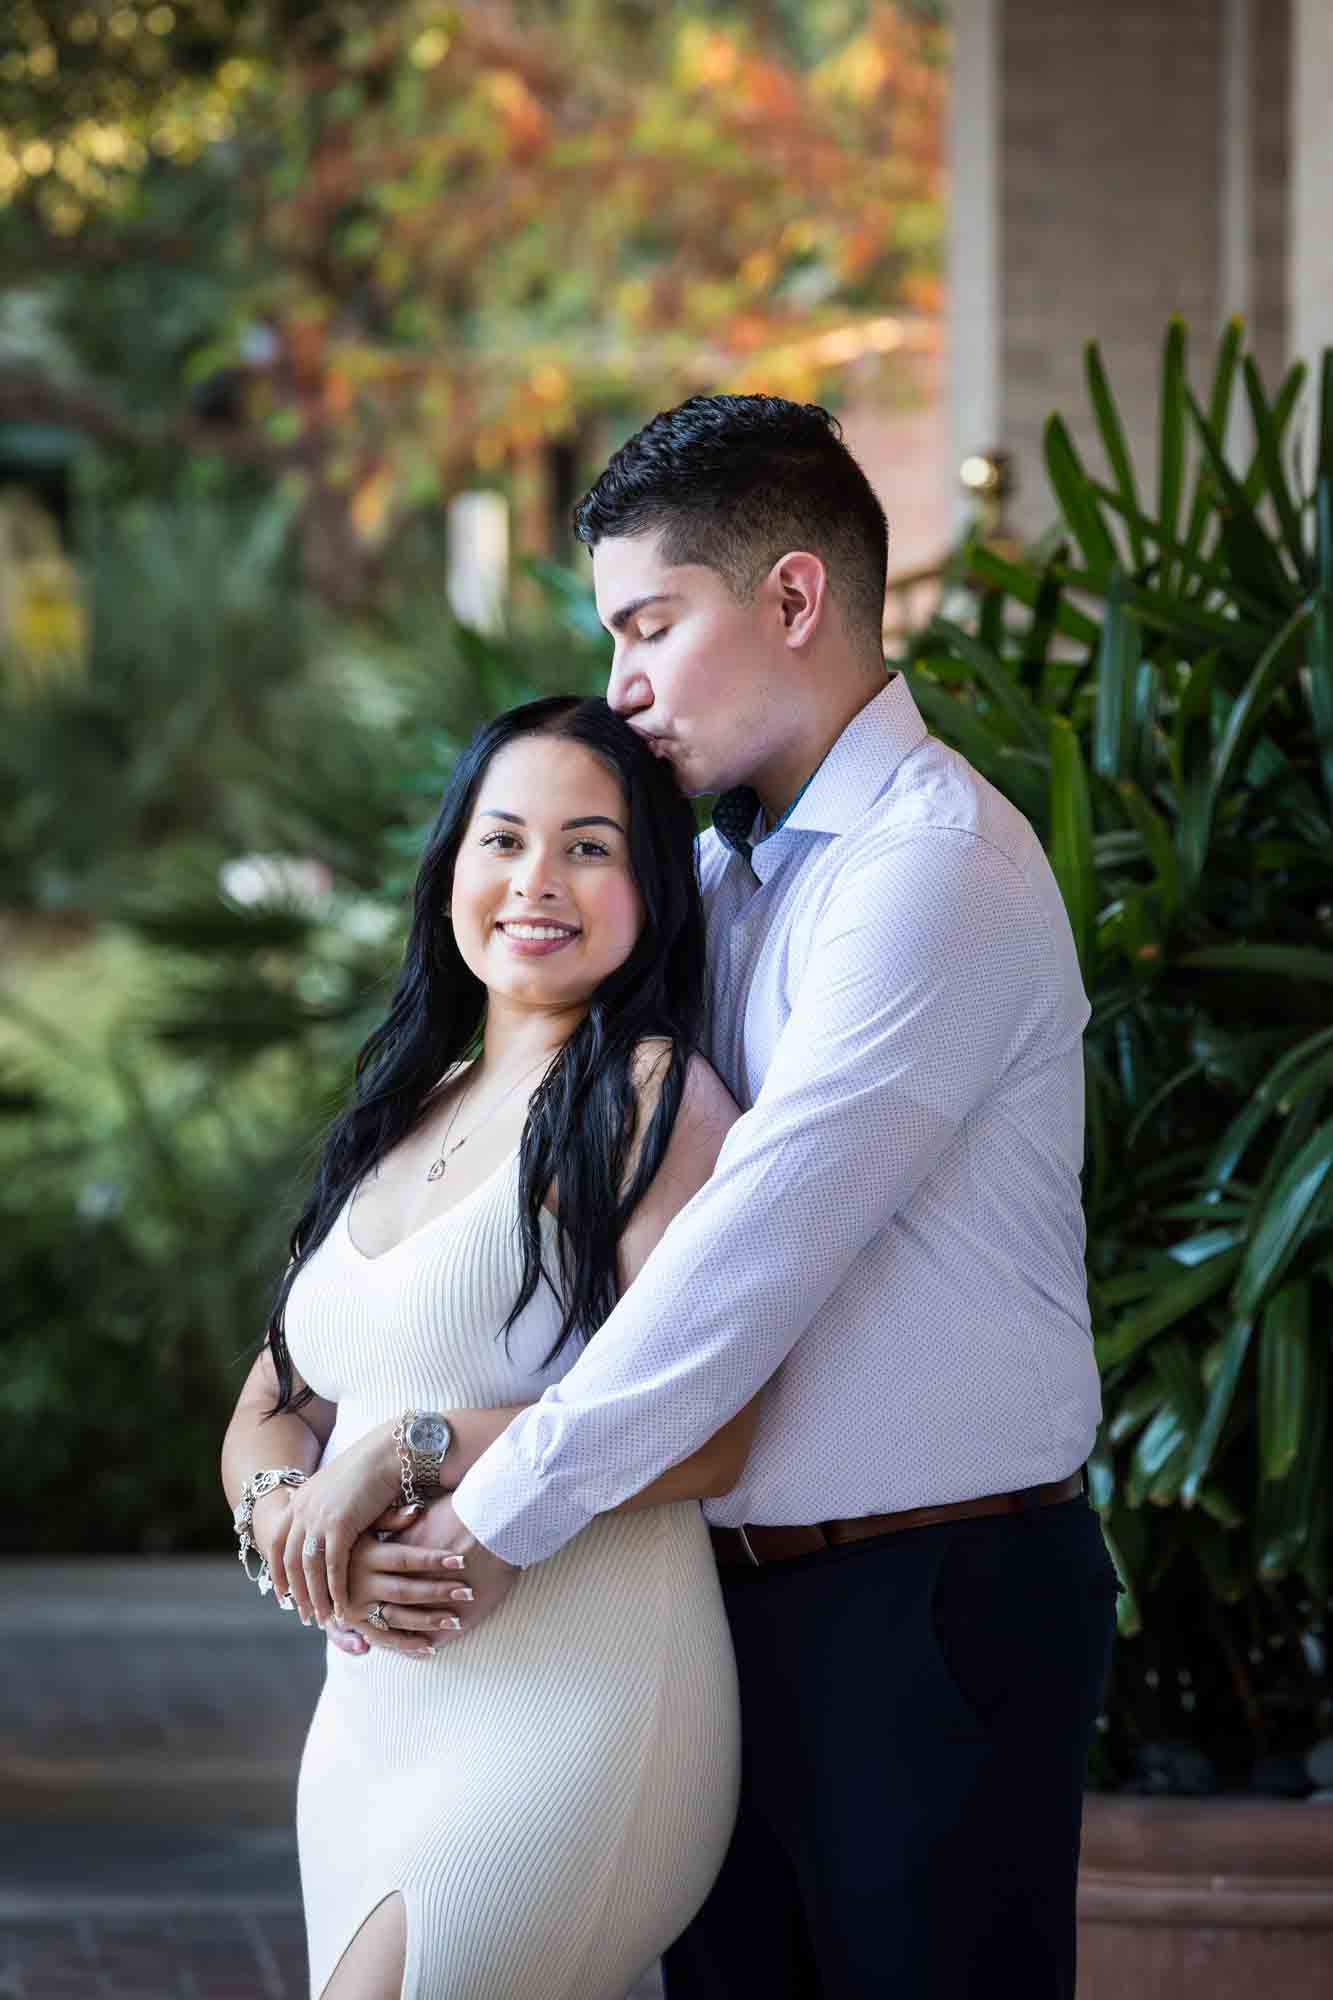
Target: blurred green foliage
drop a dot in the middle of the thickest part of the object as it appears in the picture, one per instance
(178, 1022)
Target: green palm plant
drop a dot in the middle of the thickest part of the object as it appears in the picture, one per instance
(1155, 691)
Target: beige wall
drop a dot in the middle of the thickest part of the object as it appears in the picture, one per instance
(1139, 154)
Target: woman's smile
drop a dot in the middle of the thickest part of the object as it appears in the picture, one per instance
(536, 938)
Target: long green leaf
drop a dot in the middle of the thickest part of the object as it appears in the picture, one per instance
(1071, 836)
(1078, 501)
(1191, 763)
(1175, 1301)
(1156, 837)
(1036, 664)
(1282, 657)
(1306, 1069)
(1296, 1205)
(1320, 654)
(1133, 1409)
(1171, 432)
(1268, 443)
(1219, 411)
(1292, 1527)
(1252, 553)
(1283, 1376)
(1220, 1397)
(1174, 1366)
(1117, 658)
(1117, 451)
(1288, 961)
(1284, 406)
(1161, 1454)
(1128, 1618)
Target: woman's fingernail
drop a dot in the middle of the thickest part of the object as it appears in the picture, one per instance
(449, 1624)
(452, 1562)
(463, 1596)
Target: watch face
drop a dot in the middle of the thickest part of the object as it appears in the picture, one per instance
(429, 1435)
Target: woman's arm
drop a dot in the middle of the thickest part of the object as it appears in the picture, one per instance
(255, 1441)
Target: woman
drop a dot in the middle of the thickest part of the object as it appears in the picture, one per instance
(538, 1807)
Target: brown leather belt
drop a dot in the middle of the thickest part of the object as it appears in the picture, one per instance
(757, 1545)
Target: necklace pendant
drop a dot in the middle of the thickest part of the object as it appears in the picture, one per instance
(437, 1171)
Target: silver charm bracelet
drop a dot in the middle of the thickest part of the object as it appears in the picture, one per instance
(258, 1484)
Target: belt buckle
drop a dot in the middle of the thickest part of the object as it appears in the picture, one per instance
(745, 1544)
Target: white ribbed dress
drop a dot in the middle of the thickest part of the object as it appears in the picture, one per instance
(553, 1793)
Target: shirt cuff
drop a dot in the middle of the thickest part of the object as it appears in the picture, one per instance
(504, 1503)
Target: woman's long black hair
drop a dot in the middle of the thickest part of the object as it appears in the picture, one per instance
(582, 1118)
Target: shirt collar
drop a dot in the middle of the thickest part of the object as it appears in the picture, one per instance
(855, 771)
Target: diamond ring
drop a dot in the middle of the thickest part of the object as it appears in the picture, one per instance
(375, 1616)
(313, 1545)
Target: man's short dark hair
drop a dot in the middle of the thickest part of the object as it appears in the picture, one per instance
(734, 482)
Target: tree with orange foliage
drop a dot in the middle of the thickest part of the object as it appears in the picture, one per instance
(411, 241)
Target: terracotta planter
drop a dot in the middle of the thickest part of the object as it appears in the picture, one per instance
(1185, 1898)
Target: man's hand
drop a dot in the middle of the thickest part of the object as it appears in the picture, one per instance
(486, 1578)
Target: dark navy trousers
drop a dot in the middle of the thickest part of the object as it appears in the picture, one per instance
(915, 1718)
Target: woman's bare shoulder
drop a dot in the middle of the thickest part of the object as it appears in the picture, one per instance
(707, 1108)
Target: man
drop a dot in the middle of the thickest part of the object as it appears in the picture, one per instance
(892, 1243)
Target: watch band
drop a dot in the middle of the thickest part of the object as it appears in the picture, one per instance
(420, 1471)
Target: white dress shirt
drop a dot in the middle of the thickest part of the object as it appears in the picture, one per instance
(891, 1244)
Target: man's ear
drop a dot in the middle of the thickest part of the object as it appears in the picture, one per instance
(800, 582)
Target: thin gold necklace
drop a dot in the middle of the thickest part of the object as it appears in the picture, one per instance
(447, 1151)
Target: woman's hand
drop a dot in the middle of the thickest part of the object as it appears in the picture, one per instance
(420, 1591)
(324, 1519)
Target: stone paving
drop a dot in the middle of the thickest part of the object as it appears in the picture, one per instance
(151, 1718)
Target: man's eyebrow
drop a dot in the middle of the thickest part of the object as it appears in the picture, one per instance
(566, 825)
(620, 619)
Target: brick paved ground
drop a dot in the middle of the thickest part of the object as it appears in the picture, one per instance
(150, 1722)
(207, 1954)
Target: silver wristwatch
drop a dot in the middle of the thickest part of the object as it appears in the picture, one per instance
(423, 1437)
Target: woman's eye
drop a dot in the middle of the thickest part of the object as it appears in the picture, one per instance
(589, 847)
(659, 632)
(505, 841)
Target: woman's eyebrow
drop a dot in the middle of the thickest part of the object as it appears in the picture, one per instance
(566, 825)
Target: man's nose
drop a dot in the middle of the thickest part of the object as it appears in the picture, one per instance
(628, 689)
